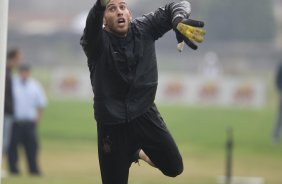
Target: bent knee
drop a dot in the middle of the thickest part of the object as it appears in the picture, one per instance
(173, 172)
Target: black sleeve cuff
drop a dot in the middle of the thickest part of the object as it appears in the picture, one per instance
(98, 7)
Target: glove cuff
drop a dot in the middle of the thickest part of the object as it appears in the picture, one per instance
(176, 20)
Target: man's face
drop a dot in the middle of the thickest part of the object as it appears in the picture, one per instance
(25, 74)
(16, 61)
(117, 17)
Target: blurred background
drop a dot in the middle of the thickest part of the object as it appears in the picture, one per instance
(228, 82)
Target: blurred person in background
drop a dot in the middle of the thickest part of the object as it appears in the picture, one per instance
(278, 123)
(211, 68)
(14, 57)
(123, 71)
(29, 102)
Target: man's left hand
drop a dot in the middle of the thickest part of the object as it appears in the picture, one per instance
(189, 31)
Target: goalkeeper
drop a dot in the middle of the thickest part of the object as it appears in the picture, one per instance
(123, 71)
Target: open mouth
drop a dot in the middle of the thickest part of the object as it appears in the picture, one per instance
(121, 21)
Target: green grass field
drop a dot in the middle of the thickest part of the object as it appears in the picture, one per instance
(68, 153)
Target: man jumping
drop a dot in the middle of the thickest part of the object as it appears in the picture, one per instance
(123, 71)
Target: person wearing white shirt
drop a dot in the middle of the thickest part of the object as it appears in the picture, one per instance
(29, 102)
(14, 57)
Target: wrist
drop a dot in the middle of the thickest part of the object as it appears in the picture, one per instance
(176, 20)
(98, 8)
(104, 3)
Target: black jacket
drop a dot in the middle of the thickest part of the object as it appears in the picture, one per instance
(8, 105)
(117, 97)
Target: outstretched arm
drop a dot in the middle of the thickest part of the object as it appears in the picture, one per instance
(91, 39)
(173, 16)
(161, 21)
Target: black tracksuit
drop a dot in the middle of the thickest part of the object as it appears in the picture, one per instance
(124, 77)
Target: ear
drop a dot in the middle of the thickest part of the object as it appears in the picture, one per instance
(104, 21)
(130, 13)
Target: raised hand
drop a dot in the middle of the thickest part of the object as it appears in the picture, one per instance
(189, 31)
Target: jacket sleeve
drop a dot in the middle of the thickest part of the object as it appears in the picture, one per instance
(91, 40)
(157, 23)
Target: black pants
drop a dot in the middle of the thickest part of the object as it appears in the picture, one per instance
(117, 145)
(23, 133)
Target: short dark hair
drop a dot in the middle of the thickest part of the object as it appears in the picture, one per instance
(12, 53)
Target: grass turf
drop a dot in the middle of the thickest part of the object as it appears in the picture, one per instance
(69, 152)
